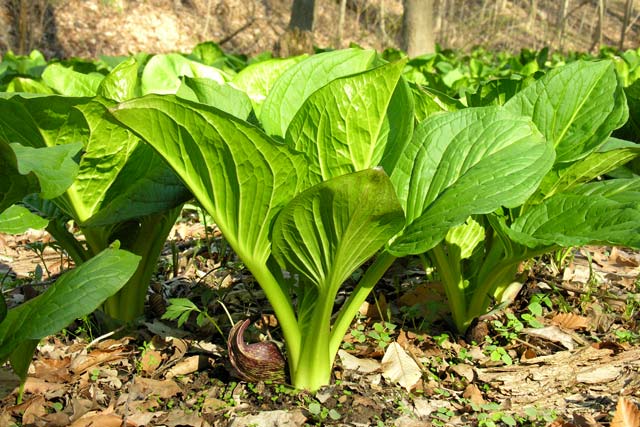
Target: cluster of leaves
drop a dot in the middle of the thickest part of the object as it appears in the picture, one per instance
(316, 165)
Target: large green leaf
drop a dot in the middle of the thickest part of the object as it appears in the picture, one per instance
(54, 166)
(163, 72)
(238, 174)
(606, 212)
(133, 180)
(344, 127)
(75, 294)
(13, 185)
(18, 219)
(221, 96)
(257, 79)
(575, 106)
(122, 82)
(66, 81)
(298, 82)
(329, 230)
(614, 153)
(468, 162)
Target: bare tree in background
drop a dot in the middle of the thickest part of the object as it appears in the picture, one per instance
(299, 35)
(561, 21)
(417, 27)
(628, 7)
(597, 36)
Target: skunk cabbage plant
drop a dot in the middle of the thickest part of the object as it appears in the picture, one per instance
(352, 181)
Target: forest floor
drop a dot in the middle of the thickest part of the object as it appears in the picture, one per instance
(565, 352)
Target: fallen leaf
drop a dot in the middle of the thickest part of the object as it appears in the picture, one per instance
(399, 367)
(473, 393)
(361, 365)
(187, 366)
(146, 386)
(570, 321)
(551, 333)
(150, 361)
(627, 414)
(35, 408)
(290, 418)
(601, 375)
(101, 420)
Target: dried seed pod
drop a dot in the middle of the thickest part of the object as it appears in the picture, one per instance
(261, 361)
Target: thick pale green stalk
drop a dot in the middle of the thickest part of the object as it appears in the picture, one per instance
(316, 362)
(352, 305)
(453, 283)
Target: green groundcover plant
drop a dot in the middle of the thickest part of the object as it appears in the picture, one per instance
(341, 173)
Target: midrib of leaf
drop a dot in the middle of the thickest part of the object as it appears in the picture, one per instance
(576, 111)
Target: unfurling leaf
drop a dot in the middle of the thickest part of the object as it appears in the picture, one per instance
(261, 361)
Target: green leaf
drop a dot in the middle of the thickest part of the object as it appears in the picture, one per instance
(122, 82)
(13, 185)
(465, 237)
(614, 153)
(257, 79)
(66, 81)
(18, 219)
(23, 84)
(605, 212)
(575, 106)
(54, 166)
(75, 294)
(132, 181)
(240, 176)
(326, 232)
(344, 126)
(163, 72)
(221, 96)
(298, 82)
(468, 162)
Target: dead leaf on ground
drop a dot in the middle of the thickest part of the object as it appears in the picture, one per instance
(551, 333)
(399, 367)
(163, 389)
(360, 365)
(570, 321)
(627, 414)
(473, 393)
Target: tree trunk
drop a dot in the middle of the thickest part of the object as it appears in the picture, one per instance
(343, 11)
(628, 7)
(533, 11)
(561, 23)
(417, 28)
(298, 38)
(597, 37)
(302, 15)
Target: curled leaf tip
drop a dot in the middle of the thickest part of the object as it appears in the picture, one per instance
(261, 361)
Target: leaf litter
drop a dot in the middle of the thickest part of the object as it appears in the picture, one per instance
(578, 365)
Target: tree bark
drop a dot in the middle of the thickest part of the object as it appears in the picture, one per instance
(418, 37)
(597, 37)
(562, 20)
(628, 7)
(298, 38)
(302, 15)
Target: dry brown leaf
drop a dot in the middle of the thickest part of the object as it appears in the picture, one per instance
(82, 362)
(188, 365)
(375, 311)
(163, 389)
(570, 321)
(35, 409)
(627, 414)
(399, 367)
(101, 420)
(551, 333)
(150, 361)
(473, 393)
